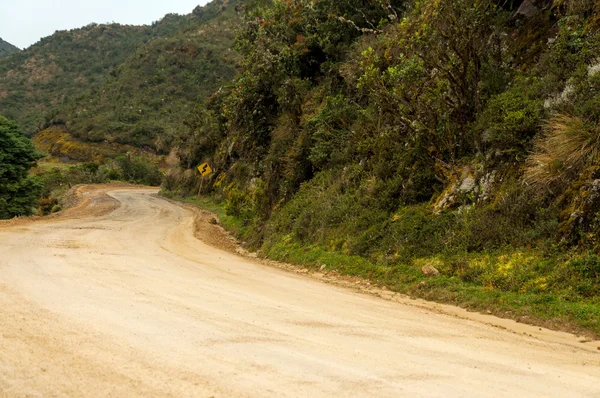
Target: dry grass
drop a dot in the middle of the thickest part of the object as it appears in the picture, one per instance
(568, 146)
(577, 7)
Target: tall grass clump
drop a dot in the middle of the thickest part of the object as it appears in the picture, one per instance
(568, 146)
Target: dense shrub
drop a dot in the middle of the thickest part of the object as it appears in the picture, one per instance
(18, 191)
(139, 170)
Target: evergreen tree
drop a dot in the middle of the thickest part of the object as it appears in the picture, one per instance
(18, 191)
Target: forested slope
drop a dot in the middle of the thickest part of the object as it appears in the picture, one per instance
(36, 80)
(99, 75)
(389, 137)
(6, 48)
(152, 94)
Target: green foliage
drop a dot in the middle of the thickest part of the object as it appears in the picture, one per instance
(61, 66)
(150, 98)
(511, 119)
(305, 102)
(18, 191)
(139, 170)
(6, 49)
(330, 129)
(122, 83)
(287, 47)
(378, 148)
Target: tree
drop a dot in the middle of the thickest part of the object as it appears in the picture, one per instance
(19, 192)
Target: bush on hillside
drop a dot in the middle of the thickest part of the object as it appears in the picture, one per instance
(18, 191)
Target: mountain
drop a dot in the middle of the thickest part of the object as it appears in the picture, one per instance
(60, 66)
(57, 72)
(146, 99)
(6, 48)
(121, 84)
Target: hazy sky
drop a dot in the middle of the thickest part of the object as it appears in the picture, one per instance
(24, 22)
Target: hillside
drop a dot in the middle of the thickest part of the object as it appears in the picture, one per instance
(61, 66)
(6, 48)
(149, 97)
(122, 84)
(399, 140)
(61, 69)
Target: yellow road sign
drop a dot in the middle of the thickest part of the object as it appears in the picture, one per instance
(205, 169)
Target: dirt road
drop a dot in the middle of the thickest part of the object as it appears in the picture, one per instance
(130, 303)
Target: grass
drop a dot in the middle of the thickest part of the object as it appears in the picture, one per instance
(568, 145)
(548, 308)
(46, 166)
(544, 308)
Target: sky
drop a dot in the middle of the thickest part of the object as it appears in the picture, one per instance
(24, 22)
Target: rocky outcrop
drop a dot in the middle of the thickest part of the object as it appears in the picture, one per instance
(531, 8)
(429, 270)
(468, 188)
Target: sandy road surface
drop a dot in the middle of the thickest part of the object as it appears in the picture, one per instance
(129, 303)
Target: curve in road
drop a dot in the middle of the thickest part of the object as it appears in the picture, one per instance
(130, 303)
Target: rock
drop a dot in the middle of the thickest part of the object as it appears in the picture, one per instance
(429, 270)
(458, 192)
(486, 185)
(528, 9)
(467, 185)
(213, 221)
(323, 267)
(561, 98)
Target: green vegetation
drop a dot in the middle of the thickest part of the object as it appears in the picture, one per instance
(59, 67)
(57, 178)
(151, 96)
(381, 137)
(6, 48)
(122, 84)
(18, 191)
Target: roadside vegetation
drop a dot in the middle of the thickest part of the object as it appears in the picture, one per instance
(386, 139)
(58, 178)
(31, 186)
(19, 191)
